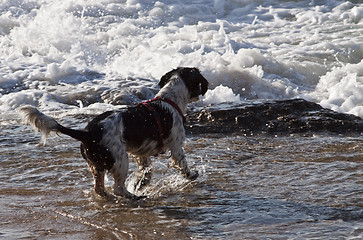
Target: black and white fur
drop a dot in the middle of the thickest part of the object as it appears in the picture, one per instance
(108, 138)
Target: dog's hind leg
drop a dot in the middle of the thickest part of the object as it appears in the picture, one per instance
(180, 163)
(99, 178)
(98, 174)
(144, 174)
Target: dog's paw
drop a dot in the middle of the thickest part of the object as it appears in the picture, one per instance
(136, 198)
(193, 175)
(122, 192)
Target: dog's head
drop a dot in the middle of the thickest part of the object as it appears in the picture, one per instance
(193, 80)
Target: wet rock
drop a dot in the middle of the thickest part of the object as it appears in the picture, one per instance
(274, 117)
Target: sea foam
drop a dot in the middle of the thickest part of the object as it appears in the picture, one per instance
(55, 55)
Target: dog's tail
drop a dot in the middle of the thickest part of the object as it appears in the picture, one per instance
(45, 125)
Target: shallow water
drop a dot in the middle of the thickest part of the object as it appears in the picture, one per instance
(255, 187)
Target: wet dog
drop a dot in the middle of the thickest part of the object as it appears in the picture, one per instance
(145, 130)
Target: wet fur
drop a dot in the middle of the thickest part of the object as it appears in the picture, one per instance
(108, 138)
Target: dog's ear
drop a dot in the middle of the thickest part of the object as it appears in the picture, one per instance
(166, 78)
(194, 80)
(203, 85)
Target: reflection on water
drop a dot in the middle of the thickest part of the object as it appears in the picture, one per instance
(249, 187)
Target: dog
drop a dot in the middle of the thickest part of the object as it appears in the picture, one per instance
(144, 130)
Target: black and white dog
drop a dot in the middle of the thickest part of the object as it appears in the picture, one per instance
(144, 130)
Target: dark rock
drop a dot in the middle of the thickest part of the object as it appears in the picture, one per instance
(277, 117)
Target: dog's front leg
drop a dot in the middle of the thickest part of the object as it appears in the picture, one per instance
(144, 174)
(180, 163)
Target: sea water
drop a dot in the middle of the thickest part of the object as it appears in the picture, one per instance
(257, 187)
(74, 59)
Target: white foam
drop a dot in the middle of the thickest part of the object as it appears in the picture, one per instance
(55, 54)
(342, 89)
(221, 94)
